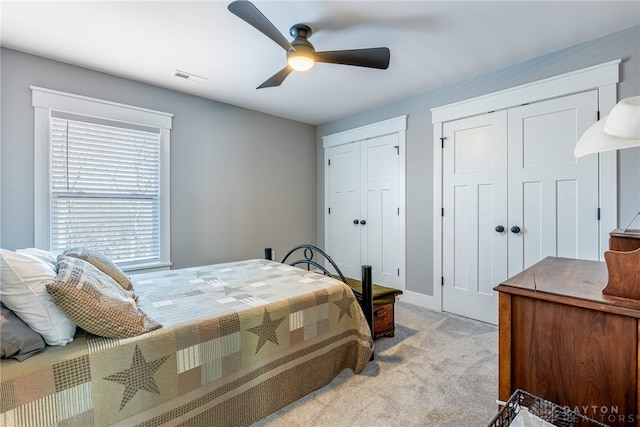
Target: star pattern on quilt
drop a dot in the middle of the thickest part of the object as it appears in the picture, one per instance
(267, 330)
(344, 305)
(138, 377)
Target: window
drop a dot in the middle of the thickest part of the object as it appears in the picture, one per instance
(102, 178)
(105, 188)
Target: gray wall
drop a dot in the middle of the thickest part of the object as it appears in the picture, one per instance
(623, 45)
(243, 180)
(240, 180)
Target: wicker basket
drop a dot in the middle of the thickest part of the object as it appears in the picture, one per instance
(550, 412)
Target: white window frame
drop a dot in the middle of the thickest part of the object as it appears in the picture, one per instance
(46, 100)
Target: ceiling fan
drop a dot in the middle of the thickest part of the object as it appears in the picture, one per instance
(301, 55)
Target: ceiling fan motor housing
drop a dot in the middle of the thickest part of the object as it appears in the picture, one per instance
(301, 47)
(300, 31)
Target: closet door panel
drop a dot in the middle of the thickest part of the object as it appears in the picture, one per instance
(380, 208)
(553, 197)
(464, 213)
(344, 202)
(487, 267)
(533, 223)
(567, 206)
(475, 203)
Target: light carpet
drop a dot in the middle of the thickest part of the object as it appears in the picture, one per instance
(439, 370)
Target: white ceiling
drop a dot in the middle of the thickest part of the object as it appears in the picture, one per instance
(432, 43)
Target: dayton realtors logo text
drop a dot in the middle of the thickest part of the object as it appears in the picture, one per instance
(605, 414)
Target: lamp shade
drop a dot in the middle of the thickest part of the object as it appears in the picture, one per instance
(620, 129)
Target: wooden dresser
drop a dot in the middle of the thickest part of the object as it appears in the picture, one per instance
(561, 339)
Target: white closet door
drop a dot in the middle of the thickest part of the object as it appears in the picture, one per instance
(380, 209)
(475, 203)
(553, 197)
(515, 168)
(344, 202)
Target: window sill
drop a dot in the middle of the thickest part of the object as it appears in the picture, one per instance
(146, 267)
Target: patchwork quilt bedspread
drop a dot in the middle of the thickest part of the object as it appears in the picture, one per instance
(239, 341)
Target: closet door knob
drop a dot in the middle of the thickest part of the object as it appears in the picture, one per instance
(363, 222)
(356, 222)
(515, 229)
(500, 229)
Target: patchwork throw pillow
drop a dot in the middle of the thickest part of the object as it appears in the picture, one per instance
(17, 339)
(23, 281)
(103, 263)
(96, 302)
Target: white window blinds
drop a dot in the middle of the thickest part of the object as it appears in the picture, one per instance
(105, 187)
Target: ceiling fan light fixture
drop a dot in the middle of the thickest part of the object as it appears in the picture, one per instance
(300, 63)
(300, 59)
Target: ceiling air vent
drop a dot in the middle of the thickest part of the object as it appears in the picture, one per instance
(189, 76)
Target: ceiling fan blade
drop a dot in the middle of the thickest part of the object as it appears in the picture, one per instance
(376, 57)
(246, 11)
(277, 78)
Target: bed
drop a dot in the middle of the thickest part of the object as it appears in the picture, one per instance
(377, 301)
(237, 341)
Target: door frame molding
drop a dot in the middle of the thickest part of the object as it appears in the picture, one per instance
(396, 125)
(603, 77)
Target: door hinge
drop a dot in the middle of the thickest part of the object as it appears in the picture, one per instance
(329, 211)
(328, 162)
(598, 115)
(442, 141)
(441, 280)
(441, 211)
(397, 147)
(598, 214)
(398, 211)
(398, 272)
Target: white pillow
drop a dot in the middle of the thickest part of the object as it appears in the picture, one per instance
(22, 289)
(47, 257)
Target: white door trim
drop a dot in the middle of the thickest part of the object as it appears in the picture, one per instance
(552, 87)
(603, 77)
(385, 127)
